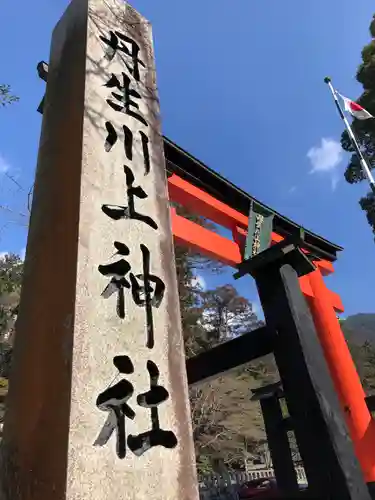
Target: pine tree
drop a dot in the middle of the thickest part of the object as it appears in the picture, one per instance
(6, 96)
(364, 129)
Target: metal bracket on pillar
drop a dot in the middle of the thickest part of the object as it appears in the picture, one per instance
(267, 391)
(42, 69)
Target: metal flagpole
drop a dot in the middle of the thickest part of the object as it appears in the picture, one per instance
(353, 139)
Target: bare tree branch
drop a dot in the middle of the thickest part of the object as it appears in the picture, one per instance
(10, 177)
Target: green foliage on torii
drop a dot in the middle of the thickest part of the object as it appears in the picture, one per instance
(364, 129)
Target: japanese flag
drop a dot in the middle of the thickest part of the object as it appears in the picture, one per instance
(355, 109)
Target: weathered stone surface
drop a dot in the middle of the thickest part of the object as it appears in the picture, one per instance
(68, 333)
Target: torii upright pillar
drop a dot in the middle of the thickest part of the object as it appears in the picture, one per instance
(345, 377)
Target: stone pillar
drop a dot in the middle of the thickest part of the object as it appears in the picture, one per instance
(98, 400)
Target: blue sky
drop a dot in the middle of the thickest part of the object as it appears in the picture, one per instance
(241, 87)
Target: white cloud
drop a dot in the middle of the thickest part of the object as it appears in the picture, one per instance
(292, 189)
(22, 253)
(326, 157)
(2, 255)
(4, 165)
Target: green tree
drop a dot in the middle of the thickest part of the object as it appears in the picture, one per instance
(6, 96)
(364, 129)
(188, 265)
(227, 426)
(226, 314)
(364, 359)
(11, 268)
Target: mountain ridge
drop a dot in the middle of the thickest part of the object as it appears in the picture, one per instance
(359, 328)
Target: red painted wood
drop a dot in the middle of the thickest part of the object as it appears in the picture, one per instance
(201, 203)
(192, 235)
(344, 375)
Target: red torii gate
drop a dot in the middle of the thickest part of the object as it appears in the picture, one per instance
(323, 303)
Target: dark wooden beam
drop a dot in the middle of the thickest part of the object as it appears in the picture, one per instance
(288, 424)
(370, 401)
(278, 444)
(229, 355)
